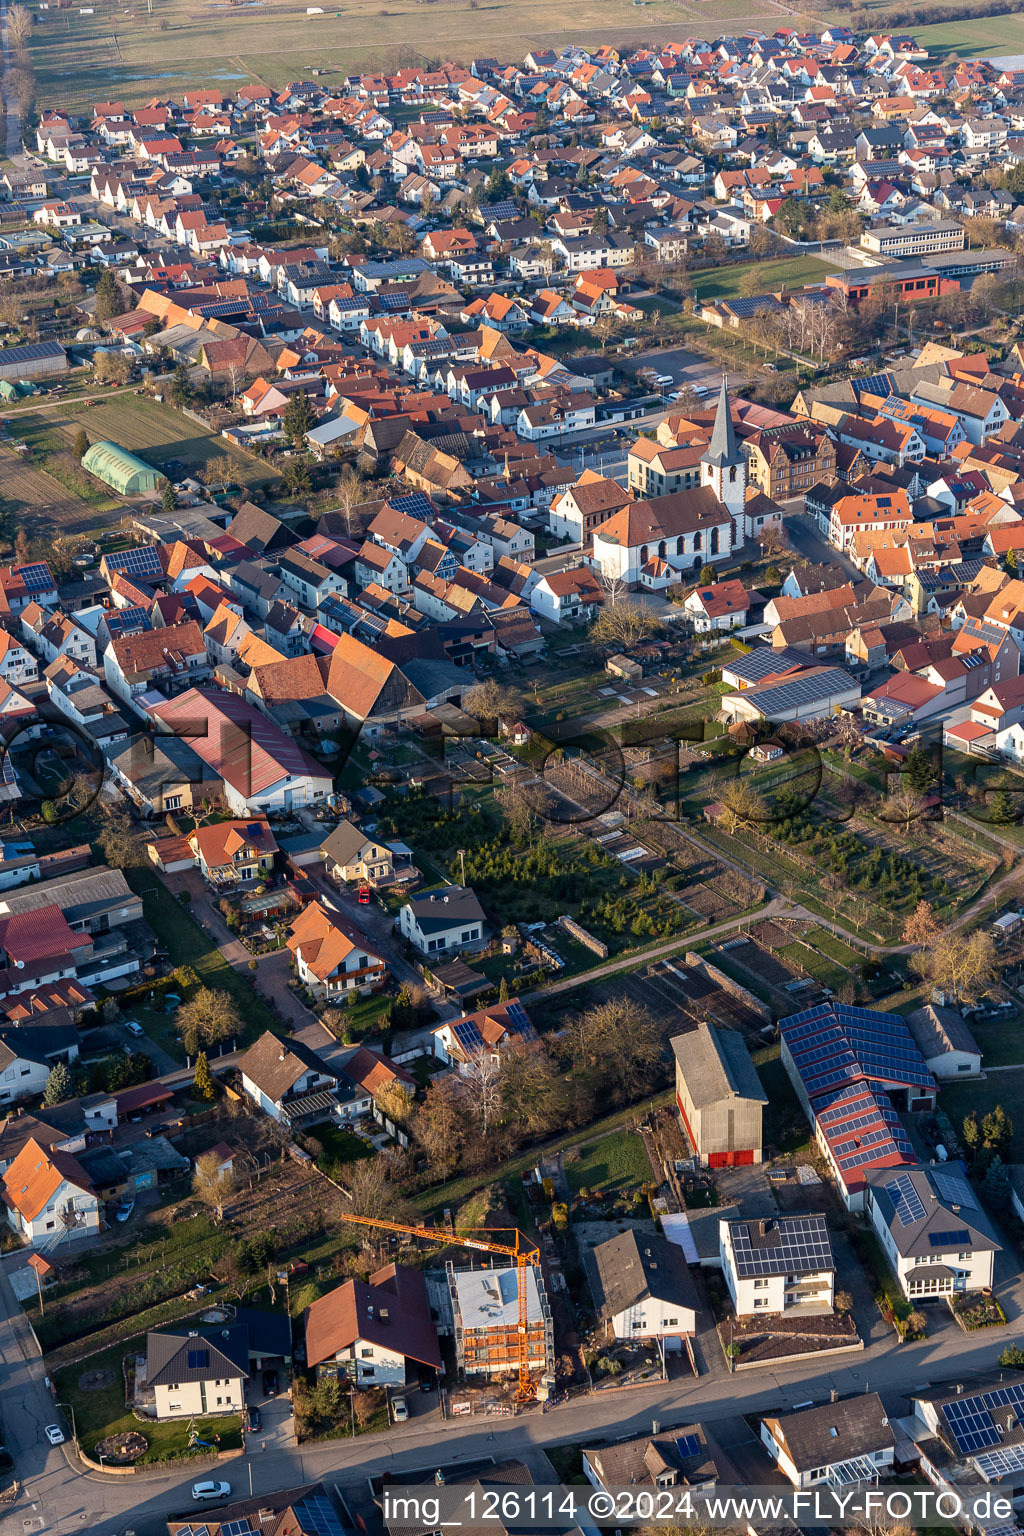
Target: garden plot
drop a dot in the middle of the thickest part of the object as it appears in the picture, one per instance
(700, 996)
(761, 963)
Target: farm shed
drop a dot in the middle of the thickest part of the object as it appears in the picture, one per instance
(34, 361)
(121, 470)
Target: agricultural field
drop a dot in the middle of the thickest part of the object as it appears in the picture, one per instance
(56, 498)
(975, 36)
(122, 51)
(156, 432)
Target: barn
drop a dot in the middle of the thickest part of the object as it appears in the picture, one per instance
(35, 361)
(719, 1096)
(121, 470)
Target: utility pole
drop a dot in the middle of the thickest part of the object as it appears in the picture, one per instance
(462, 864)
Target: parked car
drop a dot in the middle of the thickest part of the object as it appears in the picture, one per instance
(253, 1419)
(134, 1029)
(399, 1410)
(125, 1209)
(202, 1492)
(270, 1383)
(54, 1434)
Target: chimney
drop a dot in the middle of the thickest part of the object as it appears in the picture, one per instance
(832, 1394)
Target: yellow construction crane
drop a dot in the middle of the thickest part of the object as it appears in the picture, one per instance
(525, 1256)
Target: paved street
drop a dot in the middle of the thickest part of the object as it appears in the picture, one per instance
(68, 1500)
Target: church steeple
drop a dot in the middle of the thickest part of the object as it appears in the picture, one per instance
(722, 450)
(723, 467)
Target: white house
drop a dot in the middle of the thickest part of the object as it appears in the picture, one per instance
(368, 1331)
(836, 1445)
(443, 922)
(17, 665)
(944, 1040)
(570, 596)
(778, 1263)
(260, 767)
(199, 1373)
(724, 605)
(937, 1239)
(49, 1198)
(286, 1078)
(333, 958)
(643, 1290)
(27, 1056)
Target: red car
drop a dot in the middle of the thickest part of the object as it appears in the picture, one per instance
(363, 895)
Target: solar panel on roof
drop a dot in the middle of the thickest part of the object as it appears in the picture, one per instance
(237, 1528)
(468, 1035)
(37, 577)
(318, 1516)
(143, 561)
(953, 1239)
(689, 1445)
(905, 1198)
(198, 1358)
(954, 1188)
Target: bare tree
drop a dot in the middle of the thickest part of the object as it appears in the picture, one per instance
(624, 623)
(482, 1076)
(963, 966)
(213, 1183)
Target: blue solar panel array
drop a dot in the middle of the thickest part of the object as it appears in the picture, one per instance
(906, 1200)
(832, 1044)
(127, 621)
(468, 1036)
(37, 577)
(198, 1359)
(689, 1445)
(318, 1516)
(416, 504)
(970, 1418)
(955, 1239)
(144, 561)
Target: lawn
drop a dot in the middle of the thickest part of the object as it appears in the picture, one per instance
(340, 1146)
(785, 1124)
(1003, 1088)
(1001, 1041)
(618, 1161)
(789, 272)
(101, 1413)
(188, 945)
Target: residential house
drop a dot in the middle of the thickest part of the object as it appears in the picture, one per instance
(448, 921)
(936, 1238)
(371, 1332)
(832, 1445)
(776, 1264)
(234, 853)
(643, 1289)
(287, 1080)
(49, 1198)
(333, 958)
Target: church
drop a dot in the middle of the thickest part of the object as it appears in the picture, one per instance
(648, 544)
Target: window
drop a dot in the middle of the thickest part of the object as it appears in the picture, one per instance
(760, 1301)
(760, 1285)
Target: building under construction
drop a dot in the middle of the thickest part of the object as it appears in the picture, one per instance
(485, 1315)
